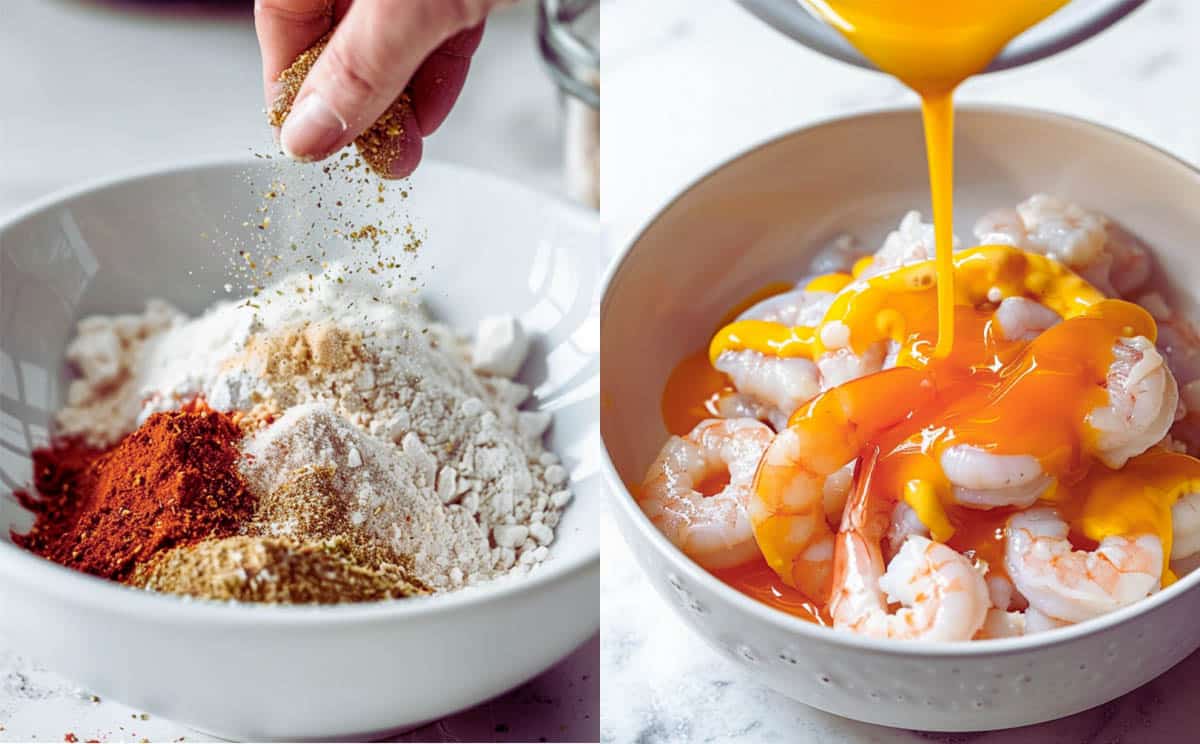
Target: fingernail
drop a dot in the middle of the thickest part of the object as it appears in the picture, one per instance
(312, 129)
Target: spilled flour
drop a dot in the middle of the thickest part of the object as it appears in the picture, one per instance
(422, 453)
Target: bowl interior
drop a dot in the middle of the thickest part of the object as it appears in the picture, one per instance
(761, 217)
(489, 247)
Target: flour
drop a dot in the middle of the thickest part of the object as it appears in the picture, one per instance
(429, 456)
(388, 492)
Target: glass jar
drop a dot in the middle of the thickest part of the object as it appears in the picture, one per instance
(569, 39)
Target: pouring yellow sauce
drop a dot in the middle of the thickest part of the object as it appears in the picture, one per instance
(974, 386)
(931, 46)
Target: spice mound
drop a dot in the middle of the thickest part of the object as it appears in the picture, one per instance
(332, 445)
(172, 482)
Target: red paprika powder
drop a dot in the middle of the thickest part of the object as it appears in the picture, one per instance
(173, 481)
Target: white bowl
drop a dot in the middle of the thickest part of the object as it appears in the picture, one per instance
(298, 672)
(758, 218)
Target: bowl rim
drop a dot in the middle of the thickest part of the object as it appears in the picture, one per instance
(806, 631)
(36, 574)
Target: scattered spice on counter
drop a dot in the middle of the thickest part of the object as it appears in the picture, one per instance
(173, 481)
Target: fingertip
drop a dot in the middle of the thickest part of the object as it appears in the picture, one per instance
(464, 43)
(393, 155)
(435, 87)
(408, 159)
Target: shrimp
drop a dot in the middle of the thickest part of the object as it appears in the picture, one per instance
(1022, 319)
(1142, 397)
(1185, 527)
(836, 491)
(1130, 266)
(1010, 624)
(904, 522)
(983, 480)
(1002, 593)
(1070, 585)
(778, 385)
(838, 255)
(787, 501)
(911, 242)
(943, 595)
(842, 365)
(794, 307)
(1001, 624)
(1001, 227)
(731, 404)
(712, 530)
(1102, 252)
(781, 385)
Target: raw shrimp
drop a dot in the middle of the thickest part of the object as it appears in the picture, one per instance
(1063, 230)
(1142, 402)
(713, 530)
(783, 384)
(1070, 585)
(787, 502)
(731, 404)
(1130, 266)
(1100, 251)
(793, 308)
(842, 365)
(1185, 527)
(1001, 227)
(911, 242)
(943, 595)
(1001, 624)
(1002, 593)
(778, 385)
(1023, 319)
(904, 522)
(837, 256)
(1009, 624)
(982, 480)
(836, 490)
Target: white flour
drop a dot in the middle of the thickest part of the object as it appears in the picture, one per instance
(432, 456)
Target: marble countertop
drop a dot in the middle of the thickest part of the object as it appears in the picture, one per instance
(687, 85)
(99, 87)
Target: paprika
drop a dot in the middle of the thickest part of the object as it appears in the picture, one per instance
(172, 482)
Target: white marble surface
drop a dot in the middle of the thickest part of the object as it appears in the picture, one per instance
(92, 88)
(688, 84)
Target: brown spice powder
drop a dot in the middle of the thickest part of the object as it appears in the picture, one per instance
(274, 570)
(380, 145)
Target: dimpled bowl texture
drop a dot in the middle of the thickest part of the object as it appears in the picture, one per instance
(759, 218)
(244, 671)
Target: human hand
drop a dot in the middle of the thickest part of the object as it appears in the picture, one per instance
(379, 48)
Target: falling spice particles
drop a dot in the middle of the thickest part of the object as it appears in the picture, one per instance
(335, 445)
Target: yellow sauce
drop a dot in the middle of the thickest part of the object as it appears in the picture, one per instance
(964, 383)
(931, 46)
(1005, 396)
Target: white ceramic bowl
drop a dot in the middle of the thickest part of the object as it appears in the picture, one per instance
(758, 218)
(298, 672)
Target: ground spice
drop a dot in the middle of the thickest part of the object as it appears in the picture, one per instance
(380, 145)
(174, 481)
(276, 569)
